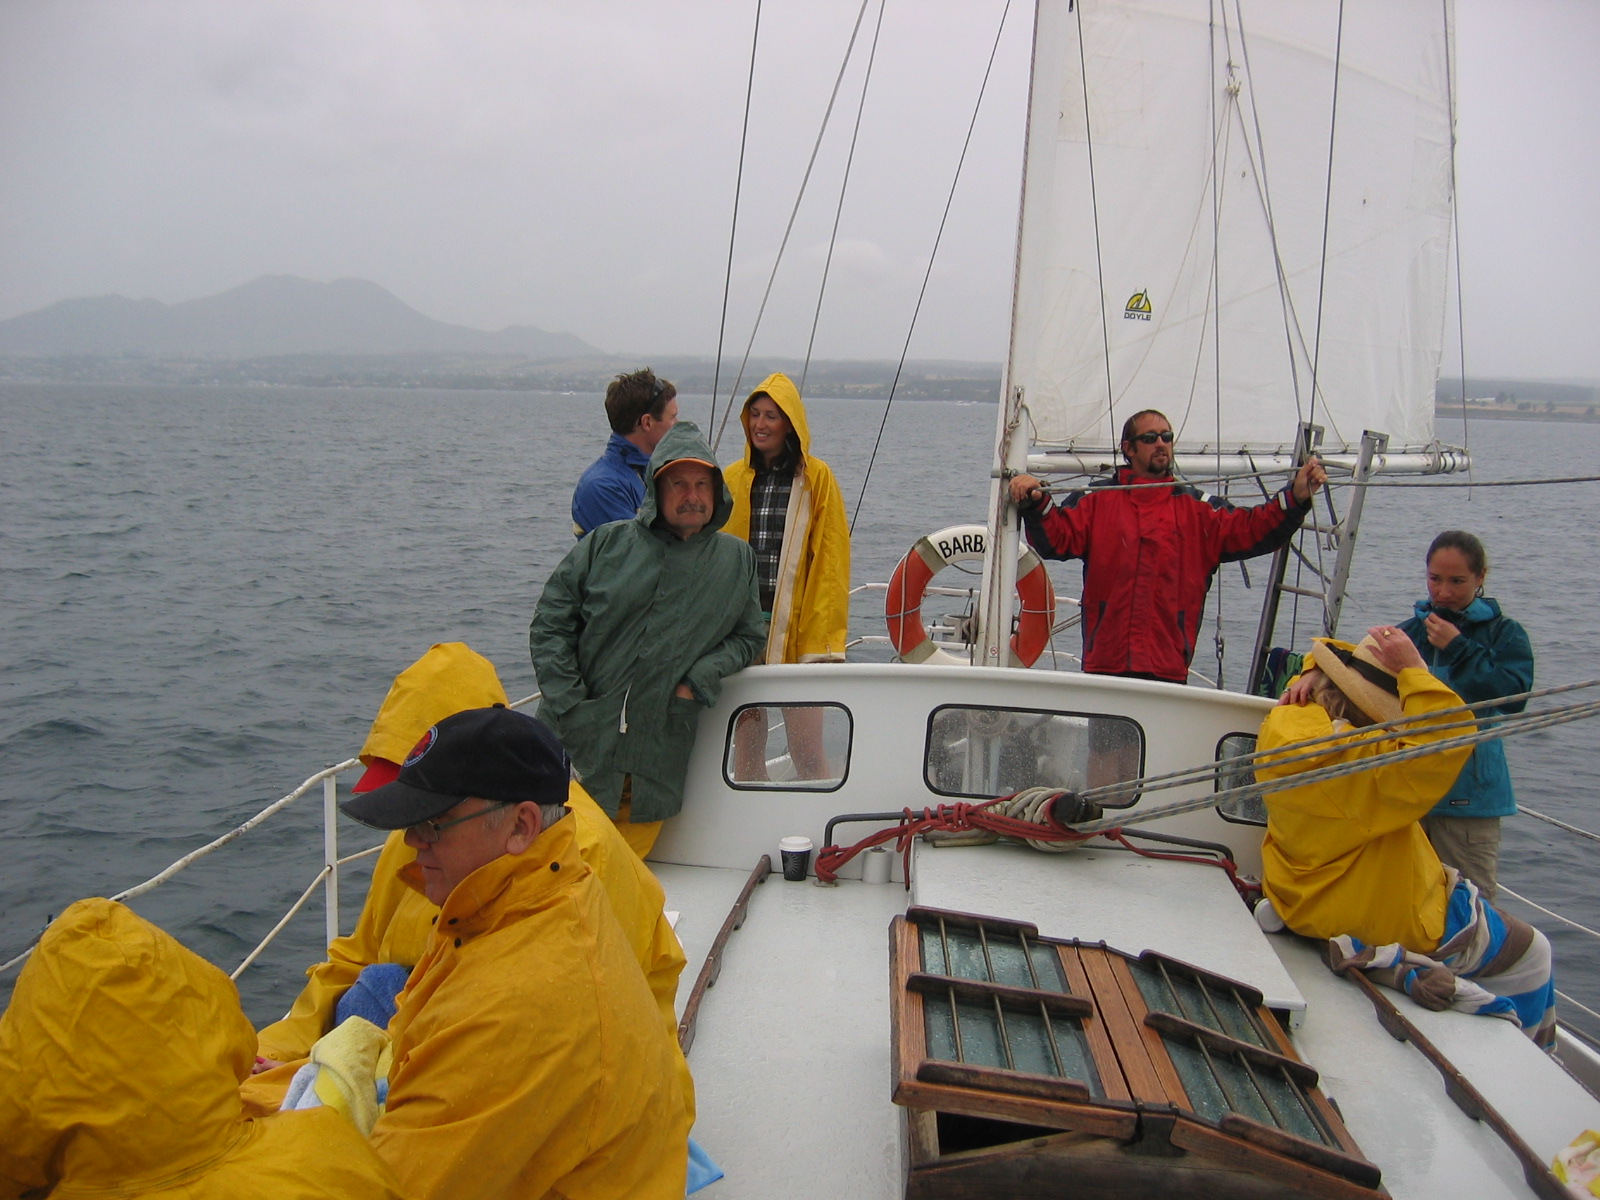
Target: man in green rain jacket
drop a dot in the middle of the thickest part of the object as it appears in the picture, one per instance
(635, 631)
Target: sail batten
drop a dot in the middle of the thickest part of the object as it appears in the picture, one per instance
(1180, 191)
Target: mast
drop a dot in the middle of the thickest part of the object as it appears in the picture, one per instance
(1011, 441)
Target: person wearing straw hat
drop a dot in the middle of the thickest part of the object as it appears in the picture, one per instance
(1345, 858)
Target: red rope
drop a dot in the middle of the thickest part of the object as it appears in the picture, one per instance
(967, 818)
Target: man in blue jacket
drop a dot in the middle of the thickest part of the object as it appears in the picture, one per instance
(641, 408)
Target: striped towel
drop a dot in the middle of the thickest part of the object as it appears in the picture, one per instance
(1488, 963)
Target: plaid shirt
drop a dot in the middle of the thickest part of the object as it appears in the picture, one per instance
(769, 511)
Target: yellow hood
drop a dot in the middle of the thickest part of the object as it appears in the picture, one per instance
(120, 1056)
(449, 678)
(787, 397)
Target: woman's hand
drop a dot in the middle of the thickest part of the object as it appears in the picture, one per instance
(1440, 632)
(1300, 691)
(1393, 650)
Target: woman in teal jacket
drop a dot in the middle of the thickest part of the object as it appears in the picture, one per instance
(1481, 654)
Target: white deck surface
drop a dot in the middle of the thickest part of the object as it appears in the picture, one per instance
(1393, 1099)
(791, 1057)
(1187, 911)
(791, 1053)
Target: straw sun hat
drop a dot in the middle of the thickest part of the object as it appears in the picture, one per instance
(1354, 671)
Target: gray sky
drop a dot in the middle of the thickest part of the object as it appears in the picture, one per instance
(571, 165)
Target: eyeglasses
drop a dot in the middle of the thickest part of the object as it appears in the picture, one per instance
(1151, 437)
(428, 832)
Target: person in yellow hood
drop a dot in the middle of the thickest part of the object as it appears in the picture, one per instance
(787, 505)
(121, 1054)
(397, 918)
(529, 1055)
(1345, 858)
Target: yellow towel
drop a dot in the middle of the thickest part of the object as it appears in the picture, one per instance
(351, 1062)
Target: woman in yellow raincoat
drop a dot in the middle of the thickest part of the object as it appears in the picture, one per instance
(120, 1060)
(787, 505)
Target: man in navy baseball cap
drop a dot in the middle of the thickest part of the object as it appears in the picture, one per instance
(530, 1057)
(502, 766)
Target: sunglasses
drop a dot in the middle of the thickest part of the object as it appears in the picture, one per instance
(1151, 438)
(429, 832)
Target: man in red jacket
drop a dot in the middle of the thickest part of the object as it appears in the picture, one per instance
(1149, 551)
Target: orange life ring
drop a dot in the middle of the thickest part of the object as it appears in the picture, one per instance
(902, 608)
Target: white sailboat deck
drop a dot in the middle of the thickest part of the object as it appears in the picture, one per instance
(792, 1060)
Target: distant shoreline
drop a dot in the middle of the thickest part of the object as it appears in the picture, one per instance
(1499, 412)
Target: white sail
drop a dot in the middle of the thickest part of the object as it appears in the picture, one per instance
(1171, 253)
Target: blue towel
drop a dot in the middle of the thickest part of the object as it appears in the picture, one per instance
(372, 995)
(701, 1169)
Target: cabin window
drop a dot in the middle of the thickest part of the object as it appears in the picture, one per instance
(789, 747)
(1001, 1037)
(1251, 810)
(988, 752)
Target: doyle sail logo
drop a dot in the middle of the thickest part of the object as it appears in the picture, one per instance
(422, 747)
(1137, 308)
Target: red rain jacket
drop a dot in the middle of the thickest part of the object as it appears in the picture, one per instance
(1148, 558)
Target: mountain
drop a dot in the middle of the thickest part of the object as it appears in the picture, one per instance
(272, 315)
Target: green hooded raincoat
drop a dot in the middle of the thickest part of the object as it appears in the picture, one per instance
(628, 615)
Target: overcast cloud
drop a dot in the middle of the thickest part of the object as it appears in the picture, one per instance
(571, 165)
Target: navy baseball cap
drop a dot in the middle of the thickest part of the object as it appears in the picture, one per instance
(494, 753)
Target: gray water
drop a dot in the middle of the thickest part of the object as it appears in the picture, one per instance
(206, 592)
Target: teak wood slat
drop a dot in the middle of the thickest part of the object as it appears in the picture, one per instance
(1101, 1050)
(1148, 1081)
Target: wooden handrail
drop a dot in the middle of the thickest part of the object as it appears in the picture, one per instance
(712, 967)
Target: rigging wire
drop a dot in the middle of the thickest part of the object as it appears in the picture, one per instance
(1256, 150)
(1218, 641)
(794, 213)
(1475, 483)
(1503, 728)
(1094, 209)
(1593, 837)
(844, 184)
(1455, 212)
(733, 226)
(1327, 209)
(933, 256)
(1557, 916)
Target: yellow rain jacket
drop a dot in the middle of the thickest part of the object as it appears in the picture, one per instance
(811, 602)
(529, 1056)
(1347, 856)
(120, 1060)
(397, 920)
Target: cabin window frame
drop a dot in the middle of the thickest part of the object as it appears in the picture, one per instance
(1237, 817)
(1111, 718)
(805, 787)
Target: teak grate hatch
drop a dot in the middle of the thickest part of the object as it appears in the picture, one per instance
(1001, 1035)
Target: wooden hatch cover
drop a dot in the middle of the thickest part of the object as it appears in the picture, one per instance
(1033, 1066)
